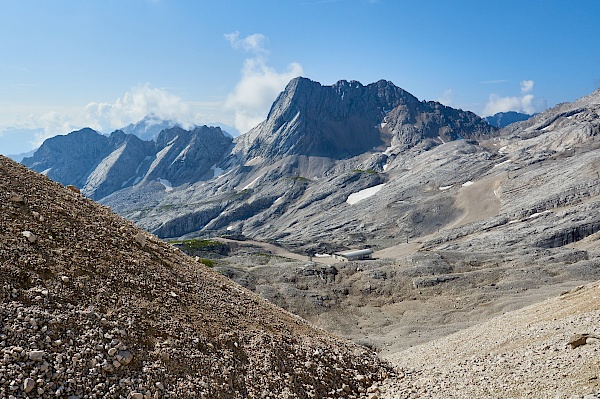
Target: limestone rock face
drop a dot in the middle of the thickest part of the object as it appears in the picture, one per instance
(100, 165)
(348, 119)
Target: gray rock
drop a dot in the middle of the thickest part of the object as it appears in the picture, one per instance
(28, 384)
(36, 355)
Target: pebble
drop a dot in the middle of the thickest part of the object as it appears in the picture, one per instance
(28, 385)
(30, 236)
(36, 355)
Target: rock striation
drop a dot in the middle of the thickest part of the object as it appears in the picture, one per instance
(95, 307)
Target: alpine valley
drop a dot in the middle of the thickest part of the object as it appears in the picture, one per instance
(466, 220)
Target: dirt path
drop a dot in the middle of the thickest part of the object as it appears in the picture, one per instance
(279, 251)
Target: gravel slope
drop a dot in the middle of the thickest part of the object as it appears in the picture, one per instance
(91, 307)
(522, 354)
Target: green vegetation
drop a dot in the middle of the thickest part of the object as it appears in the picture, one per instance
(299, 178)
(207, 262)
(196, 244)
(368, 171)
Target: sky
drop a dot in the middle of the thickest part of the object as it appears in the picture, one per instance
(69, 64)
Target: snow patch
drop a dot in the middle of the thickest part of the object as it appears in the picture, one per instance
(318, 255)
(182, 154)
(364, 194)
(254, 161)
(388, 151)
(278, 200)
(383, 124)
(251, 184)
(444, 188)
(537, 214)
(172, 141)
(166, 183)
(467, 184)
(503, 163)
(45, 173)
(502, 150)
(230, 228)
(441, 139)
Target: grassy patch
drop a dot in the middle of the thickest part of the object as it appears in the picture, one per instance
(367, 171)
(301, 179)
(196, 244)
(207, 262)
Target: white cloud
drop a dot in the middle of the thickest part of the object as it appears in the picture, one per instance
(135, 105)
(526, 103)
(260, 84)
(494, 82)
(526, 86)
(106, 117)
(253, 43)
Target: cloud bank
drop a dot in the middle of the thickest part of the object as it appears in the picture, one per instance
(259, 85)
(135, 105)
(525, 103)
(246, 105)
(106, 117)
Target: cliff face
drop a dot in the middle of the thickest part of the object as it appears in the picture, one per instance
(348, 119)
(100, 165)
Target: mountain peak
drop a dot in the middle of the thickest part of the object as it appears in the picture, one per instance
(347, 119)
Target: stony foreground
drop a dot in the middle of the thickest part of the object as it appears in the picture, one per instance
(92, 307)
(548, 350)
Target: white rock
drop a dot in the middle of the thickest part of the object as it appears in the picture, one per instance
(30, 236)
(140, 238)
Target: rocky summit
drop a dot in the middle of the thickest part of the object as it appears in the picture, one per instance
(93, 307)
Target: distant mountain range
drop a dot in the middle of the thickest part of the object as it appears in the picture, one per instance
(503, 119)
(101, 165)
(340, 166)
(151, 125)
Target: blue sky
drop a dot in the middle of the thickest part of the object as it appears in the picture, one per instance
(104, 64)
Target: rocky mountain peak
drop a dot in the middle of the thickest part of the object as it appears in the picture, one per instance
(348, 119)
